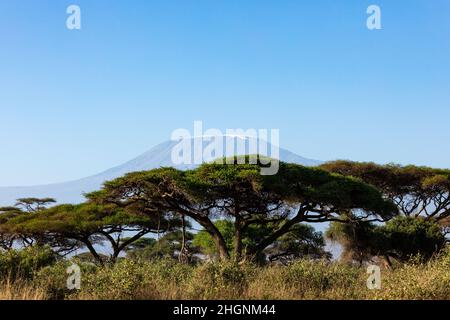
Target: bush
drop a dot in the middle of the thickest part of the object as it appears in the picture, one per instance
(26, 262)
(304, 279)
(54, 278)
(308, 279)
(131, 279)
(409, 236)
(220, 280)
(417, 281)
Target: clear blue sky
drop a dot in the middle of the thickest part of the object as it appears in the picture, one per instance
(73, 103)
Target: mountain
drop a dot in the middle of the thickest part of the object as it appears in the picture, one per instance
(158, 156)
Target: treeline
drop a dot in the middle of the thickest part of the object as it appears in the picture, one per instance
(390, 212)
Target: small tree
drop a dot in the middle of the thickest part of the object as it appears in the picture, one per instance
(205, 242)
(23, 206)
(360, 240)
(410, 236)
(33, 205)
(400, 238)
(89, 224)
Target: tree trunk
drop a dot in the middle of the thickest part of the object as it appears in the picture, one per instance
(218, 239)
(183, 255)
(237, 238)
(93, 251)
(388, 262)
(257, 250)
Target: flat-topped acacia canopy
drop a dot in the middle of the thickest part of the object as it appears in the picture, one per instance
(417, 191)
(295, 194)
(70, 226)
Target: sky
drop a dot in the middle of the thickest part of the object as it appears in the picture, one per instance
(76, 102)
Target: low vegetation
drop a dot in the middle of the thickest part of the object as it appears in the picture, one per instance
(169, 279)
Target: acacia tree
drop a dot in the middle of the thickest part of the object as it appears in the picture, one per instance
(34, 205)
(7, 239)
(417, 191)
(23, 206)
(238, 191)
(400, 238)
(88, 224)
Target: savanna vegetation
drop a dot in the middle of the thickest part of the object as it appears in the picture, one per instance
(224, 231)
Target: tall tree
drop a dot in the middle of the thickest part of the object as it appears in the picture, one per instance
(238, 191)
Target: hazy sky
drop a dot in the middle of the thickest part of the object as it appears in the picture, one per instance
(73, 103)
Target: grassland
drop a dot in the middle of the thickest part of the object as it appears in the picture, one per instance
(167, 279)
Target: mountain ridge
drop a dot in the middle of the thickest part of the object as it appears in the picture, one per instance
(158, 156)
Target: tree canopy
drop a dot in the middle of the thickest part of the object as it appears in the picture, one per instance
(375, 210)
(239, 192)
(401, 238)
(73, 226)
(417, 191)
(24, 206)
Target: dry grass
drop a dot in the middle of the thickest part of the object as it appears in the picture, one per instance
(301, 280)
(20, 290)
(305, 279)
(430, 281)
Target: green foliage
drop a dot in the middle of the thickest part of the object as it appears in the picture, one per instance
(304, 279)
(224, 279)
(238, 191)
(26, 262)
(166, 246)
(54, 277)
(131, 279)
(401, 238)
(266, 210)
(416, 190)
(204, 241)
(321, 276)
(84, 218)
(71, 226)
(33, 205)
(410, 236)
(300, 241)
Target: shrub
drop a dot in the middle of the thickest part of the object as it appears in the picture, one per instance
(54, 278)
(26, 262)
(131, 279)
(220, 280)
(304, 279)
(417, 281)
(308, 279)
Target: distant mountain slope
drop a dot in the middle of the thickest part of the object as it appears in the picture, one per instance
(158, 156)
